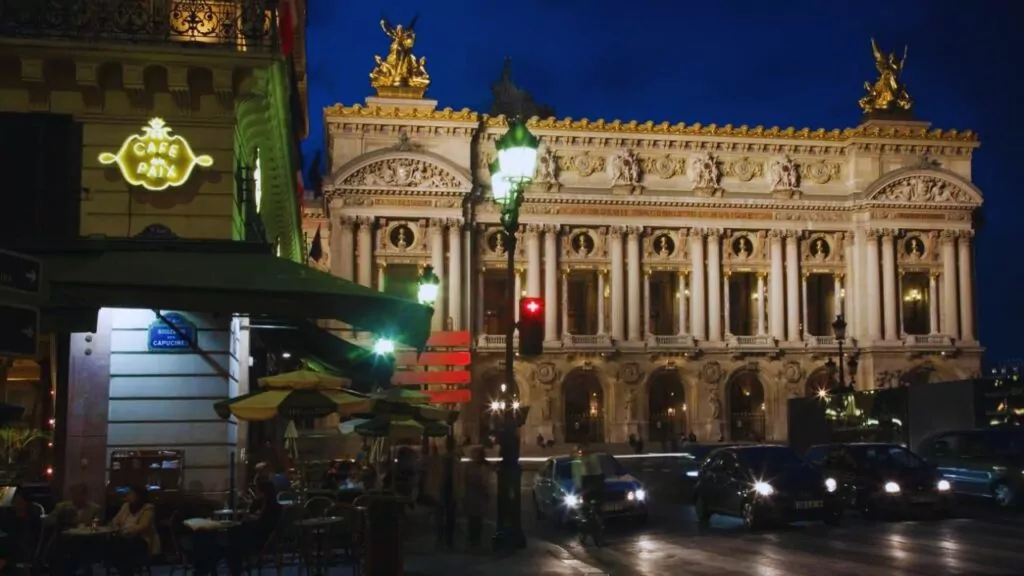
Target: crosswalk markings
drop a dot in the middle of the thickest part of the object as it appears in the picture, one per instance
(963, 546)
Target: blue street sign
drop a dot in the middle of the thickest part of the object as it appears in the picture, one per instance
(177, 334)
(19, 330)
(20, 273)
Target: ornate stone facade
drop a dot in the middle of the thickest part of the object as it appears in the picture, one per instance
(691, 272)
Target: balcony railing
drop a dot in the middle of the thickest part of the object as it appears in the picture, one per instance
(238, 25)
(929, 340)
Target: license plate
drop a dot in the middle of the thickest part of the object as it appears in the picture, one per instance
(922, 499)
(613, 507)
(810, 504)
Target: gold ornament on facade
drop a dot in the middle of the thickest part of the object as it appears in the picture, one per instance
(888, 93)
(744, 169)
(664, 167)
(587, 164)
(400, 74)
(819, 172)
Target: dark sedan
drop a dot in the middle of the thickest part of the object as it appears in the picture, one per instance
(765, 484)
(883, 479)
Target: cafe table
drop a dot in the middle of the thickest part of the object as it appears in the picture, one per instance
(208, 525)
(319, 528)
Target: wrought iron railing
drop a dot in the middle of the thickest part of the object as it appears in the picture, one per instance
(242, 25)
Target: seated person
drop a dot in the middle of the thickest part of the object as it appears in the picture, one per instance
(243, 542)
(137, 540)
(23, 526)
(77, 510)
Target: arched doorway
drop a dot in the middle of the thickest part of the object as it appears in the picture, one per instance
(746, 407)
(666, 406)
(584, 407)
(488, 420)
(818, 383)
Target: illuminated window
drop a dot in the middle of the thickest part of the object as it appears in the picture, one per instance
(257, 178)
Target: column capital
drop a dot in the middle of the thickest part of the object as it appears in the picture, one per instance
(713, 233)
(966, 235)
(696, 233)
(564, 272)
(346, 221)
(888, 234)
(454, 224)
(775, 234)
(792, 234)
(438, 224)
(934, 276)
(839, 275)
(948, 236)
(616, 231)
(550, 228)
(727, 273)
(873, 234)
(634, 231)
(805, 275)
(381, 264)
(365, 221)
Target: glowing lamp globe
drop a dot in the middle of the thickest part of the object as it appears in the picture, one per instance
(501, 187)
(517, 153)
(384, 347)
(429, 286)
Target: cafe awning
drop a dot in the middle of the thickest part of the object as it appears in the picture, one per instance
(216, 276)
(322, 350)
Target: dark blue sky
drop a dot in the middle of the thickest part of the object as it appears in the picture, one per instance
(789, 63)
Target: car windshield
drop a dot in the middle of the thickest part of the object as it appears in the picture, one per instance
(608, 464)
(770, 461)
(889, 457)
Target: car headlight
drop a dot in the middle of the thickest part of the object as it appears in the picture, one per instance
(764, 488)
(571, 500)
(892, 488)
(692, 473)
(830, 484)
(943, 486)
(639, 495)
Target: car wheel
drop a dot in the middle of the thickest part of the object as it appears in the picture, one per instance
(750, 517)
(703, 513)
(1005, 495)
(538, 511)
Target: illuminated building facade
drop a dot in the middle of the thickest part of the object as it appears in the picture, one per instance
(691, 273)
(175, 120)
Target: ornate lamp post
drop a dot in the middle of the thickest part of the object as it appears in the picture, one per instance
(841, 388)
(429, 286)
(511, 173)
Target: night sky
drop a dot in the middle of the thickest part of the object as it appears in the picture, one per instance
(797, 63)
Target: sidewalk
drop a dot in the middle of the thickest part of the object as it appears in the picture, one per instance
(540, 558)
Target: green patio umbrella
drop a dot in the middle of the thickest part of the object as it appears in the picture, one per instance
(396, 428)
(291, 395)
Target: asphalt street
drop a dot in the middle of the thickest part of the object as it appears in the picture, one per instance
(979, 540)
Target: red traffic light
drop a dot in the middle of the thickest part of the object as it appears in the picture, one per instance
(531, 306)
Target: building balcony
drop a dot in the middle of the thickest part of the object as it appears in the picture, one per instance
(671, 341)
(928, 341)
(761, 343)
(587, 341)
(494, 342)
(231, 25)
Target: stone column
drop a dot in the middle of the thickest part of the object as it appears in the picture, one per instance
(726, 301)
(533, 266)
(343, 247)
(617, 283)
(776, 290)
(901, 329)
(837, 296)
(873, 287)
(518, 287)
(551, 283)
(647, 303)
(480, 301)
(601, 301)
(364, 249)
(564, 302)
(698, 311)
(966, 270)
(382, 275)
(760, 304)
(850, 282)
(792, 286)
(437, 261)
(803, 303)
(950, 318)
(889, 294)
(933, 303)
(682, 303)
(634, 321)
(455, 273)
(714, 285)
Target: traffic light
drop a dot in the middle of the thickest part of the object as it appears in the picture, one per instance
(531, 326)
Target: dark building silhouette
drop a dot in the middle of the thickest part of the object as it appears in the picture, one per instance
(511, 100)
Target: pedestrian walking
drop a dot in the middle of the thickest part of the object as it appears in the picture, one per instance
(476, 495)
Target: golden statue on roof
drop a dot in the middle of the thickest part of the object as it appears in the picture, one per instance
(400, 74)
(888, 93)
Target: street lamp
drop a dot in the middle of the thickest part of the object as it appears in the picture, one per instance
(839, 329)
(430, 284)
(511, 172)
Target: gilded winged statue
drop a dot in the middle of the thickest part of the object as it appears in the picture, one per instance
(888, 93)
(400, 69)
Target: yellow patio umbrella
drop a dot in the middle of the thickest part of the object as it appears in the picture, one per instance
(292, 395)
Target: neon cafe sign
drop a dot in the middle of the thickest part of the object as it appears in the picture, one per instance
(156, 160)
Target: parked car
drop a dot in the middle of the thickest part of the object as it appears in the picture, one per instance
(763, 484)
(987, 462)
(554, 492)
(882, 479)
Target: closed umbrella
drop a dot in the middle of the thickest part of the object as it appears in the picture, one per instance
(291, 440)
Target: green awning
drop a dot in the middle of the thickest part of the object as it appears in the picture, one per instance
(215, 276)
(325, 352)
